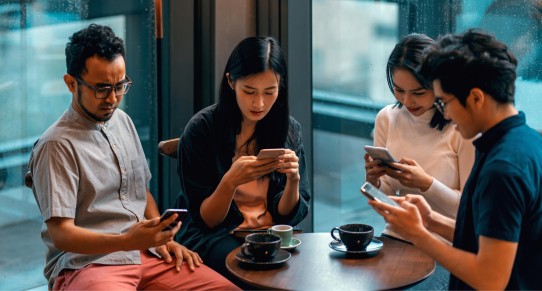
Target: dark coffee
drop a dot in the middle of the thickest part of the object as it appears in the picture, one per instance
(356, 237)
(261, 247)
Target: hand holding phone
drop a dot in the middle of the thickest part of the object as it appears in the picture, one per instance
(270, 153)
(371, 192)
(381, 154)
(169, 212)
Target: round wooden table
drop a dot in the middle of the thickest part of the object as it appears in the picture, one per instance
(315, 266)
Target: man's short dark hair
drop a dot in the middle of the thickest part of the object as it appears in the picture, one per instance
(94, 40)
(474, 59)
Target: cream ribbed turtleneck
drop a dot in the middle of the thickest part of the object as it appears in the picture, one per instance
(445, 155)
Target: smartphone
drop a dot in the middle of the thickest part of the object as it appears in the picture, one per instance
(270, 153)
(374, 193)
(169, 212)
(381, 154)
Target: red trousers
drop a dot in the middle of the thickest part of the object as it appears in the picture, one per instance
(152, 274)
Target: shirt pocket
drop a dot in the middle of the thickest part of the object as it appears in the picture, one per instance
(140, 189)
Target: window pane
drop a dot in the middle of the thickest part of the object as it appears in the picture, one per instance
(518, 23)
(351, 43)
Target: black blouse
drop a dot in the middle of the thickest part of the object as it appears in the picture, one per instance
(205, 155)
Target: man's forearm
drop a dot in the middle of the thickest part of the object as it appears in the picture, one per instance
(71, 238)
(151, 210)
(488, 269)
(442, 225)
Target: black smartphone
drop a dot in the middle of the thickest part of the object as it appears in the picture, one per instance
(169, 212)
(373, 193)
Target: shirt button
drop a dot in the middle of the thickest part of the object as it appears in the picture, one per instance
(123, 197)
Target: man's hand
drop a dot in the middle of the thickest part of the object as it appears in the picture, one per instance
(181, 253)
(149, 233)
(405, 220)
(423, 207)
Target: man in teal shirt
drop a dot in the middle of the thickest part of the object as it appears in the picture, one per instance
(497, 238)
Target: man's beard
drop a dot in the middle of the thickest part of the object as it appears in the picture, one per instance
(91, 115)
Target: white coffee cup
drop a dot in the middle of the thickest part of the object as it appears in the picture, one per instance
(284, 231)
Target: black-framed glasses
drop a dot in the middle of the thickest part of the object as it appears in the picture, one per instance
(441, 105)
(102, 92)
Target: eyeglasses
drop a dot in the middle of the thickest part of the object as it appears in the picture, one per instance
(102, 92)
(441, 105)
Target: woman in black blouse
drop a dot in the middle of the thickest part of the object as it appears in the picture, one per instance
(225, 186)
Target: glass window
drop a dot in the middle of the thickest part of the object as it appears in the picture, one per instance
(351, 44)
(33, 35)
(519, 25)
(350, 50)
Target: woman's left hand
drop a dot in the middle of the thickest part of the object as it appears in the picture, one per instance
(289, 165)
(410, 174)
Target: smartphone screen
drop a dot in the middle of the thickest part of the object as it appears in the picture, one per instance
(180, 215)
(372, 192)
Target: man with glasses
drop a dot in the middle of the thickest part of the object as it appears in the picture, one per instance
(101, 224)
(497, 238)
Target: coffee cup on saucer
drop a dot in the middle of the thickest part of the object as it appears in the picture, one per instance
(284, 231)
(261, 247)
(355, 237)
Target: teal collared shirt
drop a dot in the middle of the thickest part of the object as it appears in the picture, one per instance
(503, 199)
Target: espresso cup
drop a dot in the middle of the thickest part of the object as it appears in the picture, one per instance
(355, 237)
(261, 247)
(284, 231)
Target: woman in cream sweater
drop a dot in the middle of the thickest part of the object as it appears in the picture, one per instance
(434, 160)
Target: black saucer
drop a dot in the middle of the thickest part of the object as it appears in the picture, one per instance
(281, 257)
(372, 249)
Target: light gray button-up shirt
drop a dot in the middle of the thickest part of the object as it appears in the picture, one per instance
(97, 175)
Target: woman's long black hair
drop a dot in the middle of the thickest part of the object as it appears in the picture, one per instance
(408, 54)
(255, 55)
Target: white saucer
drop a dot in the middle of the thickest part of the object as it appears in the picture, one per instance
(293, 244)
(373, 247)
(281, 257)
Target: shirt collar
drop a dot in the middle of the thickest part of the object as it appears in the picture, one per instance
(73, 114)
(494, 134)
